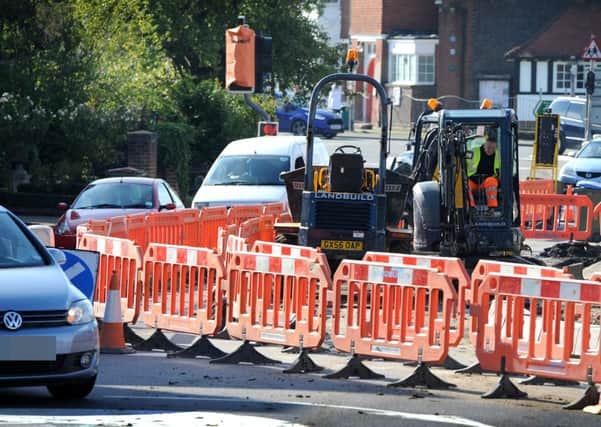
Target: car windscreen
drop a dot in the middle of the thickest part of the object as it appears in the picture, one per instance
(592, 150)
(248, 170)
(115, 195)
(16, 250)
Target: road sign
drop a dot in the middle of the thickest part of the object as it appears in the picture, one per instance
(592, 52)
(268, 129)
(82, 268)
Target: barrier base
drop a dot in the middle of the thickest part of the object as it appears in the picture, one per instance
(246, 353)
(589, 398)
(130, 336)
(472, 369)
(448, 363)
(504, 389)
(303, 364)
(422, 376)
(157, 341)
(201, 347)
(223, 335)
(354, 368)
(536, 380)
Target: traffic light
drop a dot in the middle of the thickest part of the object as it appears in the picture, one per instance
(240, 59)
(590, 83)
(263, 64)
(268, 128)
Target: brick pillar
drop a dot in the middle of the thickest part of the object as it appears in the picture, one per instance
(142, 151)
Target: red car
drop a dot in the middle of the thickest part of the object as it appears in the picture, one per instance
(109, 197)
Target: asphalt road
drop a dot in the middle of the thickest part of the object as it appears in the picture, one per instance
(150, 389)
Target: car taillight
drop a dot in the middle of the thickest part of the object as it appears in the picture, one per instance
(74, 215)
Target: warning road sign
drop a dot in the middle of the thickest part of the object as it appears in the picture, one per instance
(592, 52)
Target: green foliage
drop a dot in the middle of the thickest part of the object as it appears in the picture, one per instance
(77, 75)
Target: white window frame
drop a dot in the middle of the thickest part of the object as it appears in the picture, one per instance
(582, 68)
(564, 87)
(421, 80)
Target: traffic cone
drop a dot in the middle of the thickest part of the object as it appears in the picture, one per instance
(112, 339)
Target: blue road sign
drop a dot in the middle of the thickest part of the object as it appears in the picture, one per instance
(82, 268)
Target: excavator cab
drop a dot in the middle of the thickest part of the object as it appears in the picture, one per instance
(451, 209)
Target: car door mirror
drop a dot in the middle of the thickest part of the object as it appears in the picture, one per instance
(58, 255)
(168, 206)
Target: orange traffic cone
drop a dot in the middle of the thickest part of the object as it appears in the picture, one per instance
(112, 339)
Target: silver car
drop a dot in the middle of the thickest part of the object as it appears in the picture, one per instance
(48, 333)
(586, 164)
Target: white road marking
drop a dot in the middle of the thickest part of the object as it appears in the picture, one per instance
(146, 418)
(74, 270)
(443, 419)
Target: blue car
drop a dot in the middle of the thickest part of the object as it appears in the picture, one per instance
(571, 112)
(293, 118)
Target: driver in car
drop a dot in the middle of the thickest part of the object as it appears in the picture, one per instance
(483, 171)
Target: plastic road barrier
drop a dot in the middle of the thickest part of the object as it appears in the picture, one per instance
(452, 267)
(123, 257)
(277, 299)
(183, 289)
(399, 312)
(509, 331)
(486, 267)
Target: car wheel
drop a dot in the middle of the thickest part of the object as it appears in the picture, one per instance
(298, 127)
(74, 390)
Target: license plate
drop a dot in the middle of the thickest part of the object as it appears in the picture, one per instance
(15, 348)
(336, 127)
(342, 245)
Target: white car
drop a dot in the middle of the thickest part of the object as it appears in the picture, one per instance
(247, 171)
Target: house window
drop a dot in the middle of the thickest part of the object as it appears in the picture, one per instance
(561, 80)
(403, 68)
(412, 69)
(425, 69)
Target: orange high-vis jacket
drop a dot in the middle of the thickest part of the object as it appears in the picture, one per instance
(240, 57)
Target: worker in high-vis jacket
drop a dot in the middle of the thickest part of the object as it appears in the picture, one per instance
(483, 171)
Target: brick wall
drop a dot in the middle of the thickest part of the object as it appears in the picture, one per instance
(409, 15)
(142, 151)
(485, 30)
(366, 17)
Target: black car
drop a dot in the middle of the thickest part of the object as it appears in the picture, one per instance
(572, 111)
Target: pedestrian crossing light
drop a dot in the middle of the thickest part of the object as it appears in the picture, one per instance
(268, 128)
(352, 59)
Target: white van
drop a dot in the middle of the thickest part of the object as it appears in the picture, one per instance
(248, 170)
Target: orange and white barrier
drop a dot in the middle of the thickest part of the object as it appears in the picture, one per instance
(277, 299)
(452, 267)
(123, 257)
(293, 250)
(509, 330)
(556, 216)
(183, 289)
(537, 186)
(211, 220)
(392, 311)
(237, 214)
(486, 267)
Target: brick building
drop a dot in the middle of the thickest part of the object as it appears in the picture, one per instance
(451, 49)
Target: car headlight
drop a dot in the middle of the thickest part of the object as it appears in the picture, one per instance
(80, 312)
(320, 117)
(567, 170)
